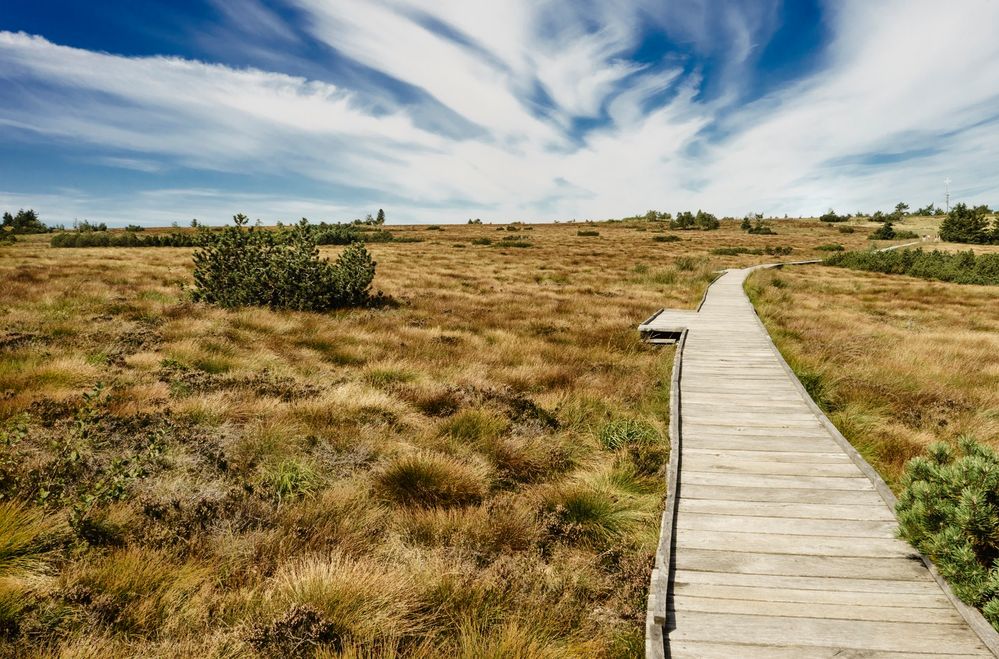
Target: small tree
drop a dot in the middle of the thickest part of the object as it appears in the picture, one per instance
(967, 225)
(381, 217)
(901, 208)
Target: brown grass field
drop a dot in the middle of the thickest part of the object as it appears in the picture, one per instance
(476, 470)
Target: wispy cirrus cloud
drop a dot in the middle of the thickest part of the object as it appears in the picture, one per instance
(522, 110)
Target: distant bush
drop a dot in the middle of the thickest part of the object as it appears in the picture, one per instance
(884, 232)
(949, 510)
(475, 221)
(832, 247)
(846, 229)
(957, 267)
(506, 242)
(26, 221)
(831, 216)
(702, 220)
(134, 227)
(969, 225)
(669, 238)
(126, 239)
(85, 226)
(587, 232)
(760, 229)
(434, 227)
(7, 238)
(482, 241)
(249, 266)
(778, 250)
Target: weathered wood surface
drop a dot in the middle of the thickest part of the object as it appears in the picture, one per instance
(781, 544)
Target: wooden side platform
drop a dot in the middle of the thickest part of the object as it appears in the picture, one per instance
(778, 539)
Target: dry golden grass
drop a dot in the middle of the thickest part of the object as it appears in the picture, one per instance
(243, 481)
(897, 362)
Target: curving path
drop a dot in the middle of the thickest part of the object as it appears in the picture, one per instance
(778, 539)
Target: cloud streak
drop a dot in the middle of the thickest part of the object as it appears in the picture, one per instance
(528, 110)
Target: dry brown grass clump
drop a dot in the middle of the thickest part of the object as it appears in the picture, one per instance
(474, 470)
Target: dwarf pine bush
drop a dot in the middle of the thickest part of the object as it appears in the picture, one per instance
(250, 266)
(949, 510)
(958, 267)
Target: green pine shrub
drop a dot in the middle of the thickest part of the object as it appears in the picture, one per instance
(969, 225)
(957, 267)
(249, 266)
(587, 232)
(668, 238)
(949, 510)
(831, 247)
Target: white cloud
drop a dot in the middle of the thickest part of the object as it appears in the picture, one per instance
(897, 77)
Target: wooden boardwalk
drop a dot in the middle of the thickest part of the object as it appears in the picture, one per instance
(778, 539)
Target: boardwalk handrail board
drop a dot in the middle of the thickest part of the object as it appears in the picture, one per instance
(784, 434)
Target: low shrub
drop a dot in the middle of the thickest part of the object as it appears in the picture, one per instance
(957, 267)
(760, 229)
(884, 232)
(846, 229)
(831, 216)
(482, 241)
(248, 266)
(668, 238)
(507, 242)
(587, 232)
(831, 247)
(949, 510)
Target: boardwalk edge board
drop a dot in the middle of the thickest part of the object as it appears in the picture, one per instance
(660, 586)
(655, 638)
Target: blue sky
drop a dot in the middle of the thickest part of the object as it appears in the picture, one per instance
(160, 111)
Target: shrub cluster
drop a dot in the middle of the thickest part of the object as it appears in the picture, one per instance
(249, 266)
(949, 510)
(969, 225)
(587, 232)
(887, 231)
(831, 216)
(702, 220)
(126, 239)
(778, 250)
(26, 221)
(957, 267)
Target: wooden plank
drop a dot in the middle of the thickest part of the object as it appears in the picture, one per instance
(804, 545)
(924, 588)
(787, 525)
(739, 465)
(791, 565)
(903, 613)
(714, 650)
(771, 456)
(778, 495)
(753, 509)
(858, 482)
(847, 634)
(915, 601)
